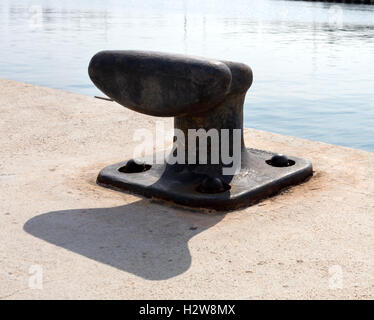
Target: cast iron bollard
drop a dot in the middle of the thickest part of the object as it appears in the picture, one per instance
(200, 94)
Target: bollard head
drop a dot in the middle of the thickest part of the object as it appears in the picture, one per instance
(161, 84)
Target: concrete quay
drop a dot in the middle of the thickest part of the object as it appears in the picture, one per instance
(313, 241)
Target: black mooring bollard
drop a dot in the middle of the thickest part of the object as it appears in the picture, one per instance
(211, 168)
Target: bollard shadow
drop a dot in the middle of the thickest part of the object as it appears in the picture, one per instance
(145, 239)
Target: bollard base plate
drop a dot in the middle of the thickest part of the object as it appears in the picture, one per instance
(180, 183)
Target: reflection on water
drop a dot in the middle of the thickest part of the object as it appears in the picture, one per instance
(312, 62)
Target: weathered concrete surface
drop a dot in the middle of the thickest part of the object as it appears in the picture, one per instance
(96, 243)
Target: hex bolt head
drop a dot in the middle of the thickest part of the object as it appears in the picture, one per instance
(213, 185)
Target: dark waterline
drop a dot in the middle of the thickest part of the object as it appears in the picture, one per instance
(312, 61)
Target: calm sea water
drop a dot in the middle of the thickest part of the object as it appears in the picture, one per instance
(313, 62)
